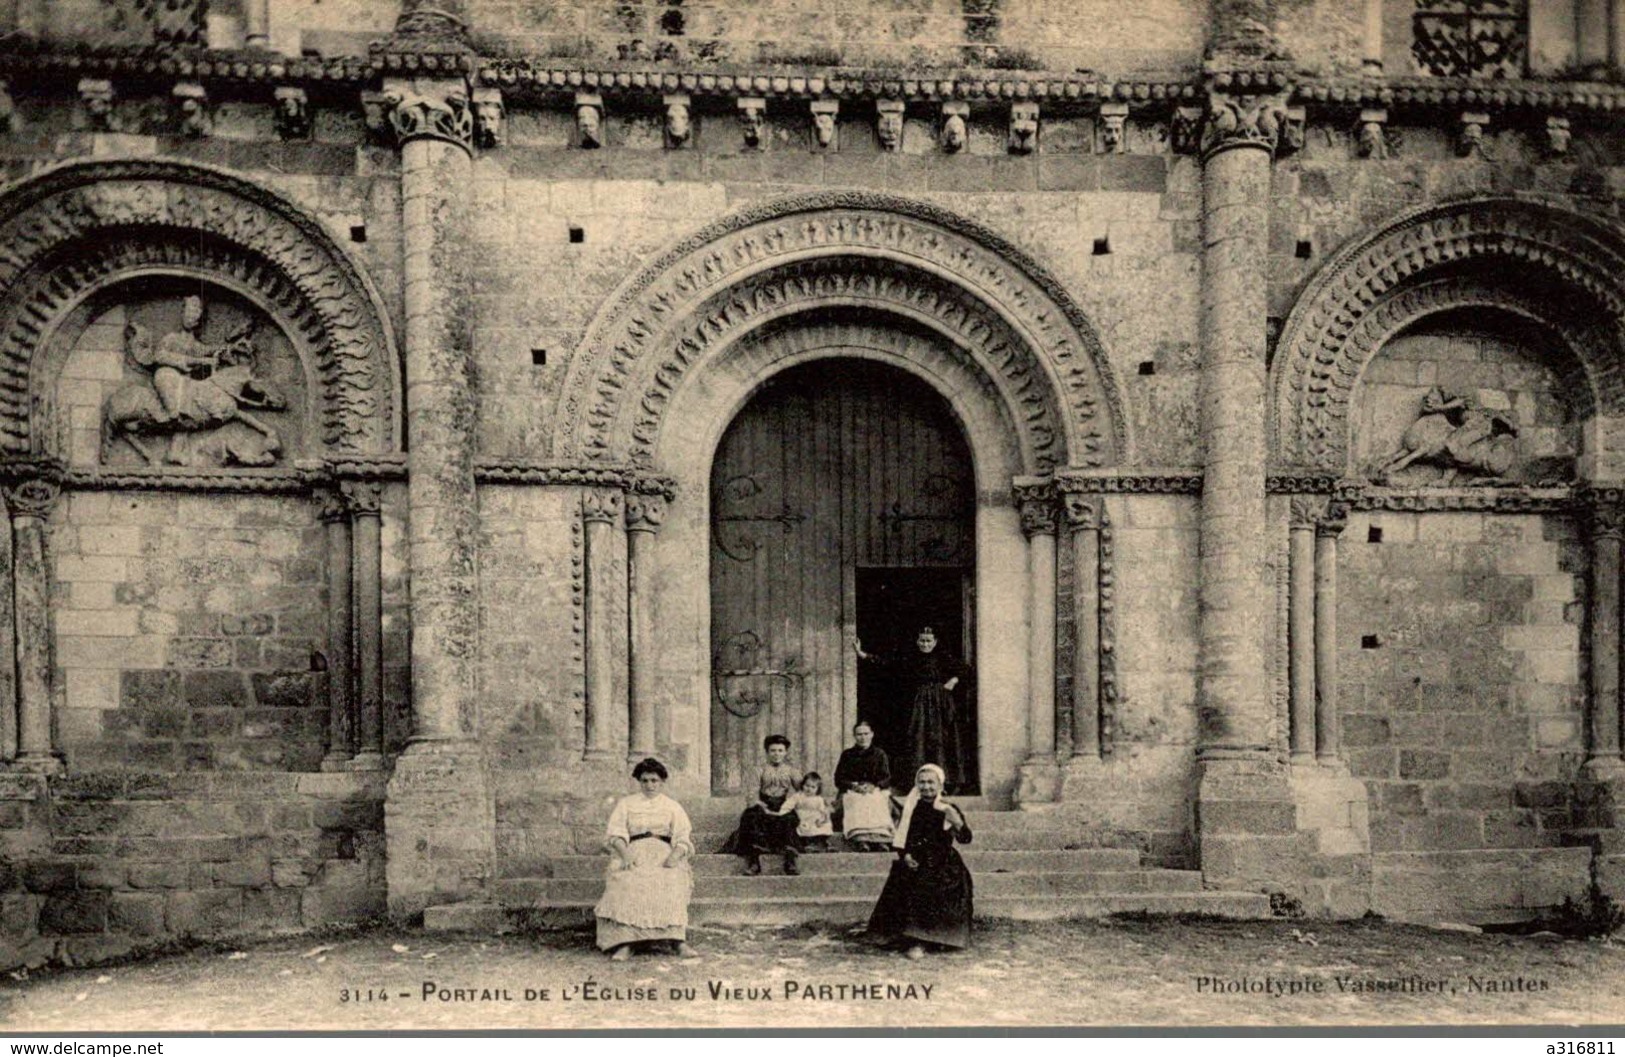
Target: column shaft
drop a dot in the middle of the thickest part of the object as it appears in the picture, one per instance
(639, 654)
(8, 651)
(1593, 31)
(369, 617)
(1604, 623)
(1328, 732)
(30, 504)
(340, 648)
(1236, 612)
(257, 23)
(1085, 525)
(601, 509)
(1301, 638)
(1371, 53)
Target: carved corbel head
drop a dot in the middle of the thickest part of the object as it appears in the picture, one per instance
(375, 110)
(679, 123)
(752, 115)
(1023, 128)
(954, 135)
(1471, 139)
(96, 99)
(489, 115)
(191, 108)
(1113, 118)
(823, 115)
(1293, 123)
(1185, 129)
(589, 120)
(1558, 136)
(292, 113)
(889, 124)
(1373, 134)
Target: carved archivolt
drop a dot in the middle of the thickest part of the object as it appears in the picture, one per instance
(1428, 261)
(824, 250)
(83, 225)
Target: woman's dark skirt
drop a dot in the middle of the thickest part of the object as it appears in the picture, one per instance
(929, 904)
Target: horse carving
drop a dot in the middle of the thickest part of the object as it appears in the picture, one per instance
(1461, 438)
(195, 387)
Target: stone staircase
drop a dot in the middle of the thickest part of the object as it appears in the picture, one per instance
(1021, 862)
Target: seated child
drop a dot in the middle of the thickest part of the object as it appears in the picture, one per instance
(812, 813)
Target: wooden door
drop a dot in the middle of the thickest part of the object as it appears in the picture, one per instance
(833, 467)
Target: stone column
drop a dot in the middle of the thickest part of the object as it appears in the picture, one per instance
(1328, 737)
(1083, 519)
(1592, 32)
(644, 515)
(439, 815)
(1039, 776)
(8, 650)
(1371, 52)
(601, 510)
(365, 502)
(257, 24)
(1301, 626)
(340, 635)
(1603, 759)
(30, 503)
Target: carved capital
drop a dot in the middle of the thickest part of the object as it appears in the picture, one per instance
(1470, 139)
(1605, 511)
(32, 497)
(645, 513)
(1558, 136)
(1082, 511)
(1373, 142)
(1252, 121)
(679, 120)
(439, 112)
(364, 498)
(889, 124)
(589, 120)
(1185, 129)
(1333, 521)
(292, 113)
(489, 118)
(752, 115)
(332, 506)
(191, 102)
(1306, 511)
(96, 104)
(8, 109)
(602, 505)
(824, 112)
(1023, 128)
(1113, 118)
(954, 133)
(1035, 499)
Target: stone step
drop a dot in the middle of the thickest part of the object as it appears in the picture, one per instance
(979, 860)
(485, 917)
(724, 810)
(820, 887)
(986, 838)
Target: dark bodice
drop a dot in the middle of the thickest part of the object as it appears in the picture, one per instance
(927, 840)
(863, 765)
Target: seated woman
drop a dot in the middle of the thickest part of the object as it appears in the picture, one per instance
(927, 898)
(862, 777)
(648, 882)
(768, 826)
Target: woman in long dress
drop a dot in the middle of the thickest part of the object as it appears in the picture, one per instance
(768, 825)
(933, 726)
(863, 778)
(928, 894)
(649, 881)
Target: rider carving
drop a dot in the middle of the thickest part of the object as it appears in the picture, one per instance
(196, 387)
(1460, 437)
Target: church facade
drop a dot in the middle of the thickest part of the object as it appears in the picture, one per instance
(412, 413)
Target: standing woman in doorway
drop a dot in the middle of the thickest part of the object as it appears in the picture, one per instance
(933, 727)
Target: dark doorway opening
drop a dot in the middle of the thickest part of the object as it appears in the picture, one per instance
(892, 606)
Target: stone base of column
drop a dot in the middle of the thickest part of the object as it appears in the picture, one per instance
(366, 761)
(332, 763)
(1038, 785)
(439, 826)
(1085, 780)
(46, 763)
(1603, 769)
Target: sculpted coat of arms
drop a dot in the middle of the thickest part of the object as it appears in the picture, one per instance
(194, 388)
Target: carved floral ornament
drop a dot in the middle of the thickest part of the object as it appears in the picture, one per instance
(1372, 290)
(85, 225)
(1024, 331)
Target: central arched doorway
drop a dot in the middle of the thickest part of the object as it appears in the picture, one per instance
(842, 506)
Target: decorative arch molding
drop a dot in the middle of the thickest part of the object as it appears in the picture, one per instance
(1431, 260)
(85, 225)
(880, 251)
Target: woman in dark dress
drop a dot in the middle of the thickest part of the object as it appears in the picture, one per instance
(768, 825)
(933, 729)
(927, 898)
(863, 779)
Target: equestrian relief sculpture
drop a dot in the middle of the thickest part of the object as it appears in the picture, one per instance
(1461, 438)
(195, 389)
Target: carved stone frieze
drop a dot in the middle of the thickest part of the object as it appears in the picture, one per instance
(824, 112)
(1371, 290)
(1235, 120)
(752, 116)
(1113, 118)
(954, 135)
(1109, 691)
(436, 111)
(191, 102)
(889, 124)
(656, 329)
(490, 119)
(292, 114)
(1023, 128)
(180, 479)
(516, 471)
(679, 120)
(1459, 500)
(1036, 502)
(70, 229)
(96, 104)
(589, 120)
(1167, 482)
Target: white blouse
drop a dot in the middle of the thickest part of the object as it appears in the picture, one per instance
(660, 815)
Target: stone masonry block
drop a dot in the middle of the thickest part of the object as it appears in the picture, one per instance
(213, 689)
(1263, 817)
(75, 912)
(138, 914)
(149, 689)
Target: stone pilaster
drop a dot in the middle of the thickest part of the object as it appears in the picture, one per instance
(644, 515)
(1328, 723)
(1301, 626)
(1603, 759)
(601, 510)
(1039, 781)
(340, 673)
(8, 649)
(365, 502)
(439, 815)
(1083, 521)
(30, 502)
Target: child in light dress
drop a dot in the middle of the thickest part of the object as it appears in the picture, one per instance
(812, 813)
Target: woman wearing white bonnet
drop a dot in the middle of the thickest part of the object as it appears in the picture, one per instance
(927, 898)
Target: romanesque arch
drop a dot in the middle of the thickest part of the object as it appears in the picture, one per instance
(1526, 257)
(862, 251)
(84, 226)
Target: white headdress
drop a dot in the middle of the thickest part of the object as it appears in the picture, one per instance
(900, 835)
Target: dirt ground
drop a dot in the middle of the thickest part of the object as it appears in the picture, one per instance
(1102, 972)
